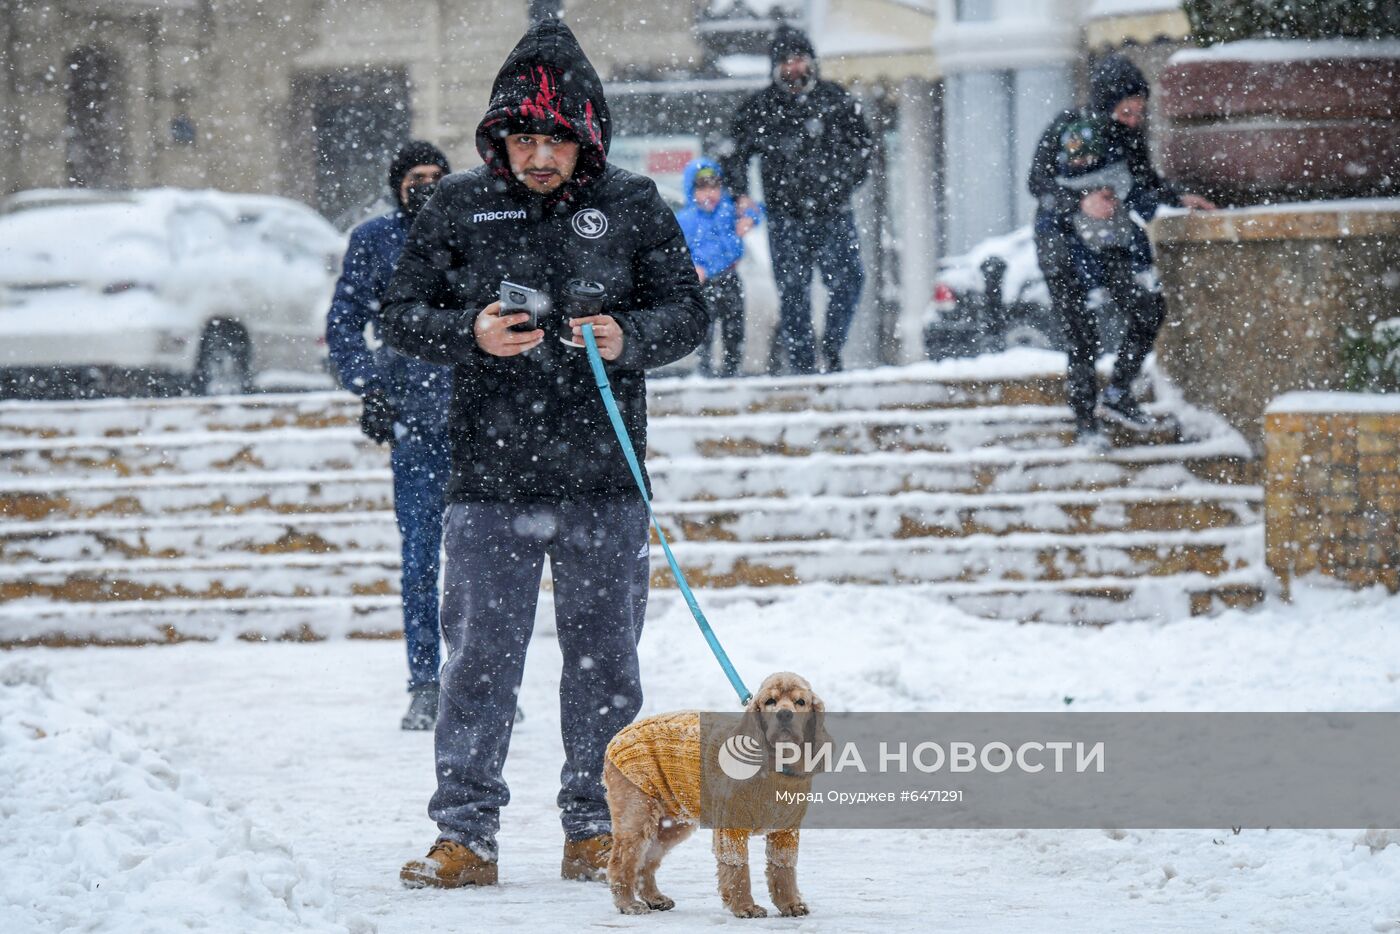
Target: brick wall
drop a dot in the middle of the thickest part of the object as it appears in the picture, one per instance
(1332, 487)
(1258, 299)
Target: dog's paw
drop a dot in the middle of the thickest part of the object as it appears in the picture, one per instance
(795, 910)
(659, 902)
(750, 911)
(634, 908)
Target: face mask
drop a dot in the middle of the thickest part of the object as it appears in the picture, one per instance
(418, 196)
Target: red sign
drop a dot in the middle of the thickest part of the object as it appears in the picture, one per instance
(668, 161)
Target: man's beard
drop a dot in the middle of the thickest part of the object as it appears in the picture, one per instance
(797, 84)
(525, 179)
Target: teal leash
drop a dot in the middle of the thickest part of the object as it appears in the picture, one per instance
(600, 378)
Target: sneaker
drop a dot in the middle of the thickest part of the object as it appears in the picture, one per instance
(587, 860)
(1088, 433)
(448, 865)
(422, 709)
(1119, 405)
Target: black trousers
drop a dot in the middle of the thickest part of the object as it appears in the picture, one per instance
(724, 296)
(1072, 271)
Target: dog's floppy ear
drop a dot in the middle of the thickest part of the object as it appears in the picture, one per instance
(751, 724)
(814, 734)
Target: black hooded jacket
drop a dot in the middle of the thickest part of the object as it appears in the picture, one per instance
(1112, 79)
(532, 427)
(813, 146)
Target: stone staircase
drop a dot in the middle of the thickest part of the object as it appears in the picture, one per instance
(270, 516)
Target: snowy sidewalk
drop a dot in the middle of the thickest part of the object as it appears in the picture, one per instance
(244, 787)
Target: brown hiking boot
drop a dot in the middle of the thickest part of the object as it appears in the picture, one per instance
(448, 865)
(587, 860)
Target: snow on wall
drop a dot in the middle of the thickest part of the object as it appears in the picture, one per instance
(1289, 50)
(1299, 402)
(1104, 8)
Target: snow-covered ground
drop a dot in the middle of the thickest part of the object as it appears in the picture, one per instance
(266, 787)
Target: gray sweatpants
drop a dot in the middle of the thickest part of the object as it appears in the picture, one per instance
(495, 558)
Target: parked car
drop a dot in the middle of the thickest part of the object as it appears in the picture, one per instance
(201, 289)
(993, 297)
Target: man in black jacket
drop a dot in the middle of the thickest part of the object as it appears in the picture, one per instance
(536, 469)
(1117, 105)
(813, 147)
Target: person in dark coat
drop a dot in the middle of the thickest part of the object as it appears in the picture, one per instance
(1118, 94)
(813, 147)
(404, 405)
(536, 468)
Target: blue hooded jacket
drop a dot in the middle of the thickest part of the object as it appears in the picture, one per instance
(710, 234)
(420, 391)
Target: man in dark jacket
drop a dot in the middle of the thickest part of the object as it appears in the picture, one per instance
(536, 468)
(405, 405)
(1117, 103)
(813, 147)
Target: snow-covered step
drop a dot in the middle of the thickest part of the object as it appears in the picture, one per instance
(344, 448)
(867, 432)
(909, 387)
(1099, 601)
(148, 417)
(181, 453)
(1016, 378)
(1026, 556)
(199, 536)
(1073, 601)
(297, 491)
(990, 470)
(911, 517)
(140, 622)
(903, 516)
(238, 452)
(242, 575)
(1016, 557)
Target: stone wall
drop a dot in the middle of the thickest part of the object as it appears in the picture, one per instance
(1332, 487)
(1258, 298)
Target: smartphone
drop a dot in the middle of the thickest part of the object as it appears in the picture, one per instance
(521, 298)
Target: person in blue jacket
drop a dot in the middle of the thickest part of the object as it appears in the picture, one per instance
(714, 231)
(405, 403)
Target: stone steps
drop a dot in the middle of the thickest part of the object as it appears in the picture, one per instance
(1034, 556)
(903, 516)
(764, 434)
(913, 387)
(270, 515)
(1094, 601)
(367, 489)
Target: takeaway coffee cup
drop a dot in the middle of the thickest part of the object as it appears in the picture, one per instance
(582, 298)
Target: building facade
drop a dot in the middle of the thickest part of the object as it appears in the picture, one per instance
(308, 98)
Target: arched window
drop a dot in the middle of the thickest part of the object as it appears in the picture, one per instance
(95, 134)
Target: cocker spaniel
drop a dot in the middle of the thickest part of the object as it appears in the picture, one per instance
(652, 774)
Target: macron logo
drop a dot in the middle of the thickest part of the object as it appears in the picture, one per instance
(479, 216)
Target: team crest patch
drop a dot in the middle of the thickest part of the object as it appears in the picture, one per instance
(590, 223)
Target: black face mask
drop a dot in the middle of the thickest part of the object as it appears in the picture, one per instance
(418, 196)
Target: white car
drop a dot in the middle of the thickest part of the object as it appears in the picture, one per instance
(215, 289)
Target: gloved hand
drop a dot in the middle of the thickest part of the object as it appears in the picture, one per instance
(378, 417)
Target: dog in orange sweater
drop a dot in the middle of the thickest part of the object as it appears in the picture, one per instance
(652, 773)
